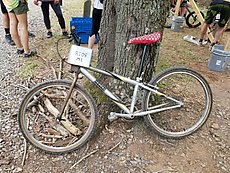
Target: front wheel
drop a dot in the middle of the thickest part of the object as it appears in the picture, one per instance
(186, 86)
(38, 117)
(192, 19)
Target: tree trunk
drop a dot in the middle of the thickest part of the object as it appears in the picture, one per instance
(121, 21)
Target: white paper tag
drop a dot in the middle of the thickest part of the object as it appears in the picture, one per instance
(80, 56)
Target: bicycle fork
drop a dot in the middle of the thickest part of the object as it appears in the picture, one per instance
(59, 117)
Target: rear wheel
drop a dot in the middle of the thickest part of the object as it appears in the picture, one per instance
(186, 86)
(38, 117)
(192, 19)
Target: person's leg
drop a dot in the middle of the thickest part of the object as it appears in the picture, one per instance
(218, 34)
(96, 20)
(6, 24)
(22, 18)
(183, 9)
(204, 29)
(46, 17)
(20, 14)
(211, 13)
(58, 12)
(91, 41)
(14, 30)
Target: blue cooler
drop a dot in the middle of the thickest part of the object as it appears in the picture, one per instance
(83, 26)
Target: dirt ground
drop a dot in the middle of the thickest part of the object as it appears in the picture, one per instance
(127, 147)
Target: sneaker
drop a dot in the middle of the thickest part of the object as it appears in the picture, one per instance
(32, 53)
(211, 46)
(9, 40)
(65, 33)
(31, 35)
(49, 34)
(201, 42)
(20, 51)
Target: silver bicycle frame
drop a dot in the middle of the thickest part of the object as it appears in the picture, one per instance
(129, 113)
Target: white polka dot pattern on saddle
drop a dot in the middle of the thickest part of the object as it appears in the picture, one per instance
(146, 39)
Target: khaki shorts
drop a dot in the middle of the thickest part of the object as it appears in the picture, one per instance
(22, 8)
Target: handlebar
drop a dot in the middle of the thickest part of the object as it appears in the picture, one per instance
(75, 37)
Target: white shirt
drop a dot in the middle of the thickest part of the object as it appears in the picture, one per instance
(98, 5)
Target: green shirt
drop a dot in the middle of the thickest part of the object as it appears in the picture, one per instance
(11, 4)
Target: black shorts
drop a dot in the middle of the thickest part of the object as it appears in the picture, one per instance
(213, 10)
(96, 20)
(3, 7)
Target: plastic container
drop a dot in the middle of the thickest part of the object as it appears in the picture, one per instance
(219, 58)
(177, 24)
(218, 46)
(83, 26)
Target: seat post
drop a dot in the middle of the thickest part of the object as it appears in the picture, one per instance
(140, 69)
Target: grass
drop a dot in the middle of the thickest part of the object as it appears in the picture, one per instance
(29, 69)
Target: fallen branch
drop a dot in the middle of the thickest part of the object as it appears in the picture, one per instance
(48, 63)
(83, 158)
(22, 86)
(3, 95)
(60, 69)
(79, 113)
(115, 146)
(54, 71)
(25, 151)
(56, 126)
(167, 169)
(33, 103)
(50, 136)
(65, 122)
(25, 148)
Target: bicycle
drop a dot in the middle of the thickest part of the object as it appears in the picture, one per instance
(191, 18)
(60, 116)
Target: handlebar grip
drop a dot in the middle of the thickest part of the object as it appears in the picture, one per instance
(75, 37)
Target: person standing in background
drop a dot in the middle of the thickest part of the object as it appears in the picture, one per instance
(221, 7)
(96, 20)
(17, 10)
(55, 4)
(6, 24)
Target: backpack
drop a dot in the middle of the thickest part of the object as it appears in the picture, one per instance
(101, 1)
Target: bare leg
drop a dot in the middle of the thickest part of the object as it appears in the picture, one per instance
(6, 20)
(91, 41)
(14, 30)
(22, 18)
(203, 30)
(218, 34)
(183, 11)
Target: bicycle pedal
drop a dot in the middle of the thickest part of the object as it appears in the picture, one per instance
(112, 117)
